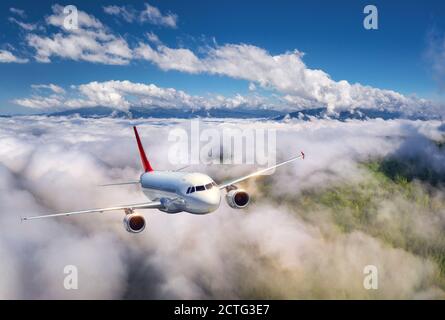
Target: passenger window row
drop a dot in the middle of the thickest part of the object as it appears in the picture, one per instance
(201, 188)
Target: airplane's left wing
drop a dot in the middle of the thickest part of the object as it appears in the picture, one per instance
(259, 172)
(147, 205)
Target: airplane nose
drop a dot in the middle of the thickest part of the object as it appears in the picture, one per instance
(214, 199)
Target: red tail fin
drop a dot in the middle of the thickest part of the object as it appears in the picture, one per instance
(145, 163)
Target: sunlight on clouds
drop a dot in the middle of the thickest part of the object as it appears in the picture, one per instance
(277, 248)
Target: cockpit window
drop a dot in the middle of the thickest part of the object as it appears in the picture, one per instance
(190, 190)
(208, 186)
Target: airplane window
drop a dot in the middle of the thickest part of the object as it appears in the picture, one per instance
(192, 189)
(209, 186)
(200, 188)
(214, 183)
(188, 190)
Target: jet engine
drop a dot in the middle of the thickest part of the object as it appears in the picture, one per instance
(134, 222)
(237, 198)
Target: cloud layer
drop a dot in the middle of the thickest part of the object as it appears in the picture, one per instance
(278, 248)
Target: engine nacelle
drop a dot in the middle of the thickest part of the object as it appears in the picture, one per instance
(134, 223)
(237, 198)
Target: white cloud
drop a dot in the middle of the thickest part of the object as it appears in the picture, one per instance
(280, 247)
(149, 14)
(8, 57)
(21, 13)
(54, 88)
(295, 85)
(170, 59)
(285, 73)
(40, 102)
(153, 15)
(91, 41)
(127, 13)
(85, 20)
(124, 94)
(152, 37)
(23, 25)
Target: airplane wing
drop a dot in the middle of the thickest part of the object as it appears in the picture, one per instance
(120, 183)
(147, 205)
(257, 173)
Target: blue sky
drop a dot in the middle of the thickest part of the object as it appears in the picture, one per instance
(395, 57)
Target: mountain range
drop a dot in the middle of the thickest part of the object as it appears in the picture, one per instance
(238, 113)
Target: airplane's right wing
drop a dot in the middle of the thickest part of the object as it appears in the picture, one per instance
(259, 172)
(147, 205)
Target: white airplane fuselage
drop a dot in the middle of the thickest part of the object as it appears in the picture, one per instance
(195, 193)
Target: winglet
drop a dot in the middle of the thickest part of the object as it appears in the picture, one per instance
(145, 163)
(302, 154)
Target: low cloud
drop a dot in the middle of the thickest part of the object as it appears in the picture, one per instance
(278, 248)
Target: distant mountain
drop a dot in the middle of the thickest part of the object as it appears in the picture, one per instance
(238, 113)
(134, 113)
(359, 113)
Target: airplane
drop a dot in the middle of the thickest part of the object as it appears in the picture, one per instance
(174, 192)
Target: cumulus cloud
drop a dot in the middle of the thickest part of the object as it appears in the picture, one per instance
(170, 59)
(8, 57)
(286, 73)
(40, 102)
(277, 248)
(125, 94)
(91, 41)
